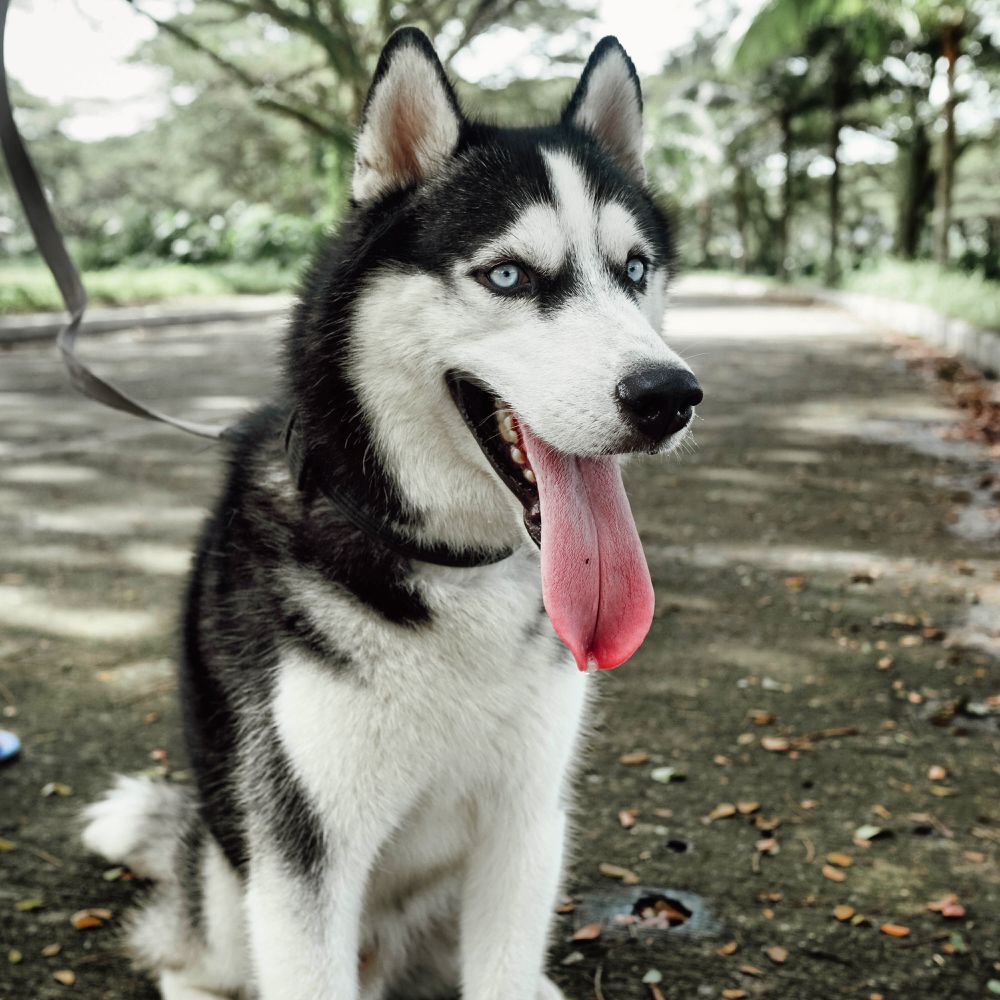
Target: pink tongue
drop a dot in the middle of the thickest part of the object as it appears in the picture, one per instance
(595, 582)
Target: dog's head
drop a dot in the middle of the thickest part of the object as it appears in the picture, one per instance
(506, 288)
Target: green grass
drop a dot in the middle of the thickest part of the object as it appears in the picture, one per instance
(30, 288)
(964, 296)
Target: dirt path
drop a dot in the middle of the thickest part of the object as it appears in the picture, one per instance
(825, 637)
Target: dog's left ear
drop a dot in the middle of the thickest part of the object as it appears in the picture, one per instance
(607, 103)
(411, 122)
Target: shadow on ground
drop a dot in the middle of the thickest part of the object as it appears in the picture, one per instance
(818, 696)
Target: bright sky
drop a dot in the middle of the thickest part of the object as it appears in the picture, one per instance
(77, 50)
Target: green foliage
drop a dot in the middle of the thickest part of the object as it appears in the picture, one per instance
(30, 288)
(245, 233)
(965, 296)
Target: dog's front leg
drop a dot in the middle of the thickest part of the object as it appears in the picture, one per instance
(509, 895)
(304, 929)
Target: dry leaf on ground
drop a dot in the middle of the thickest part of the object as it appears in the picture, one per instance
(627, 876)
(895, 930)
(776, 744)
(722, 811)
(948, 907)
(84, 919)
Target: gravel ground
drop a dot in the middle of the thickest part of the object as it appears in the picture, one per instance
(814, 721)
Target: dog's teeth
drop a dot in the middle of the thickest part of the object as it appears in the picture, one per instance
(507, 431)
(529, 475)
(518, 456)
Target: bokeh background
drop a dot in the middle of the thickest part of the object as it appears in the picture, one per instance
(202, 148)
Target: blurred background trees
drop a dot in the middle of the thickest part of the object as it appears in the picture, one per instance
(799, 139)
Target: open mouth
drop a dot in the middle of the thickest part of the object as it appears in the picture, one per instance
(496, 428)
(595, 582)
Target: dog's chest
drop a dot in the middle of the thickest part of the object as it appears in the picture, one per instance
(437, 710)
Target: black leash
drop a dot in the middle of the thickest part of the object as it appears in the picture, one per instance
(53, 249)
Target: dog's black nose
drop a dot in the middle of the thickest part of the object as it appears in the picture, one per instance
(658, 400)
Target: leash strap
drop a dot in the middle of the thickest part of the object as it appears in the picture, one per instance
(53, 249)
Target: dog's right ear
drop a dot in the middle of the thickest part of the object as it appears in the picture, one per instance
(411, 122)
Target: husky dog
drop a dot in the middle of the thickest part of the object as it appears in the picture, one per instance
(380, 700)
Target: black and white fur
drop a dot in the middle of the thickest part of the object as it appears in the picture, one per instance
(381, 745)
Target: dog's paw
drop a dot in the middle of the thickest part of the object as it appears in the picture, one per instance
(549, 991)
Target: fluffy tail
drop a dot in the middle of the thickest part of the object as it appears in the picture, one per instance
(141, 823)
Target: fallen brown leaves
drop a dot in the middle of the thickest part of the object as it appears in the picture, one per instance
(627, 818)
(895, 930)
(722, 811)
(94, 917)
(948, 907)
(627, 876)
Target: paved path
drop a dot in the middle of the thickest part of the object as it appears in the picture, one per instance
(828, 606)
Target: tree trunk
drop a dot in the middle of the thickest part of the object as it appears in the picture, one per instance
(742, 207)
(946, 176)
(833, 261)
(705, 232)
(786, 195)
(917, 188)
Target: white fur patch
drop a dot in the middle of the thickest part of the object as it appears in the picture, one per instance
(536, 239)
(618, 233)
(574, 201)
(136, 823)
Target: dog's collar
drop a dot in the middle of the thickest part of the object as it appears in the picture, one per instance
(380, 530)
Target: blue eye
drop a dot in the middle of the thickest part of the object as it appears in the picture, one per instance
(507, 276)
(636, 270)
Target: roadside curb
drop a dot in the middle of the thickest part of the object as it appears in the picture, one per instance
(979, 346)
(34, 327)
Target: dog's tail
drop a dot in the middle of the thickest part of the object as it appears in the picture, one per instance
(143, 824)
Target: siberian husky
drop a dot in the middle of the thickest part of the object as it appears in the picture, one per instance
(416, 547)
